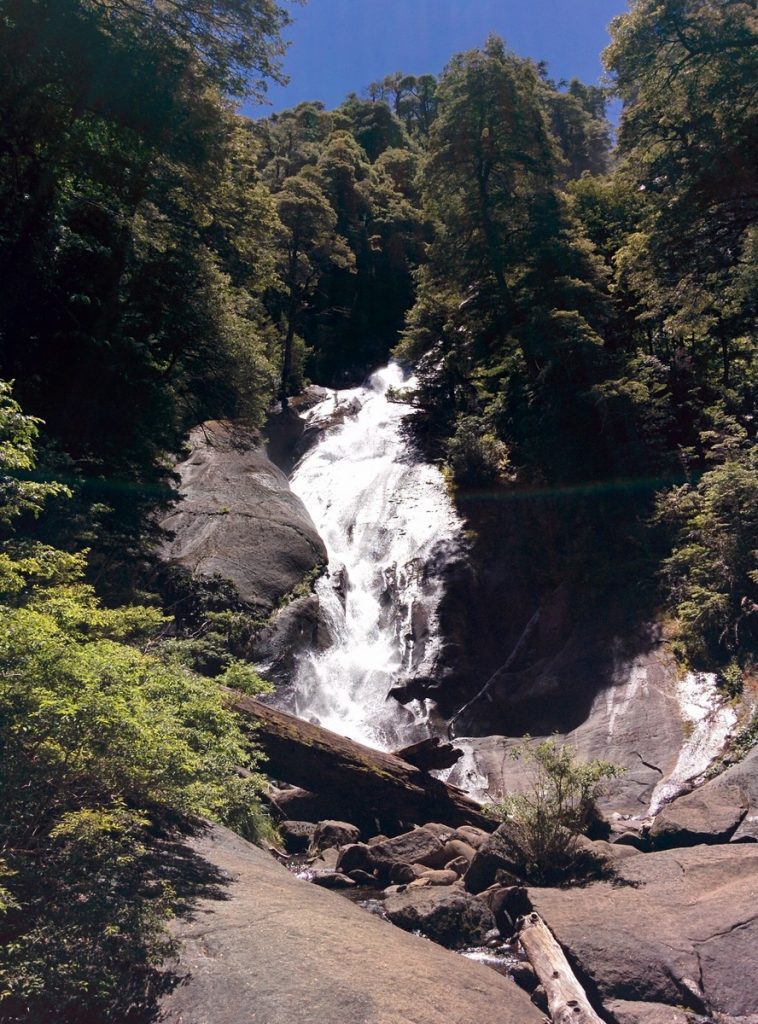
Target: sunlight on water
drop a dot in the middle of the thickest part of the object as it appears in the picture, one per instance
(387, 522)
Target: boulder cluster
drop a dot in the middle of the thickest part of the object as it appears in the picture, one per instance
(662, 928)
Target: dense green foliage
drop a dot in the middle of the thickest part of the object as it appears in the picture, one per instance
(103, 738)
(590, 337)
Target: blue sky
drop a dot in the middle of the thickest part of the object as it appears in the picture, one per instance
(339, 46)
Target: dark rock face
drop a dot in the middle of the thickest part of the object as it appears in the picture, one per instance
(297, 835)
(448, 916)
(498, 852)
(678, 927)
(297, 627)
(269, 947)
(726, 808)
(237, 518)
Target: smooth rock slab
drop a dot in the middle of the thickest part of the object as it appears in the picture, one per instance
(724, 808)
(678, 927)
(276, 950)
(237, 518)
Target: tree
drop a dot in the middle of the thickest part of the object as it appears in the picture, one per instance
(712, 572)
(127, 313)
(310, 243)
(686, 71)
(511, 292)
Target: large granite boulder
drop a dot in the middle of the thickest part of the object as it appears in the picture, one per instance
(726, 808)
(270, 948)
(237, 518)
(677, 927)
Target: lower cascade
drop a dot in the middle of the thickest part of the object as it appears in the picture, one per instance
(389, 526)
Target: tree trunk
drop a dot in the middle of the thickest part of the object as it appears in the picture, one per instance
(368, 784)
(566, 999)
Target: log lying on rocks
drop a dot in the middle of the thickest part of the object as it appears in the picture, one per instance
(566, 999)
(369, 784)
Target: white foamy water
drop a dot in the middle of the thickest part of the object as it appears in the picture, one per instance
(711, 721)
(386, 519)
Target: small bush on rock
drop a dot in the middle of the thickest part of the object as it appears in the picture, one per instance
(545, 821)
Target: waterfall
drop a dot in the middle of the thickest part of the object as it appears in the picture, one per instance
(389, 525)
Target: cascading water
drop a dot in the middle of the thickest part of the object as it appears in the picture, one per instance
(386, 519)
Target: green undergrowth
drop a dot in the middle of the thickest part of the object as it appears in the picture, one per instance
(109, 743)
(556, 807)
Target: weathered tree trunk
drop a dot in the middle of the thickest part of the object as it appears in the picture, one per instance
(368, 784)
(566, 998)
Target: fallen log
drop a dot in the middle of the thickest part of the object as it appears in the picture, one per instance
(369, 784)
(566, 999)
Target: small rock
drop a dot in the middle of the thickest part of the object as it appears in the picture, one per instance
(335, 833)
(439, 876)
(404, 873)
(417, 847)
(326, 860)
(471, 835)
(448, 916)
(332, 880)
(442, 832)
(632, 839)
(459, 865)
(354, 857)
(377, 839)
(457, 848)
(626, 1012)
(363, 878)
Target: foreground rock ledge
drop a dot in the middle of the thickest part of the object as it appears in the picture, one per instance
(276, 950)
(679, 927)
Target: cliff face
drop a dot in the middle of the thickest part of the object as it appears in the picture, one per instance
(237, 518)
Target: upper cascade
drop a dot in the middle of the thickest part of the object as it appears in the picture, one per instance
(389, 526)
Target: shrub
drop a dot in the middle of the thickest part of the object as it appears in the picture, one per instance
(474, 454)
(102, 744)
(558, 806)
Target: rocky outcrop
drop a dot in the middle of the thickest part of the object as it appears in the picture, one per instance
(724, 809)
(266, 946)
(237, 518)
(664, 729)
(678, 927)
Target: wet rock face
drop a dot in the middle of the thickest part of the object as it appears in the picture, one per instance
(723, 810)
(663, 729)
(237, 518)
